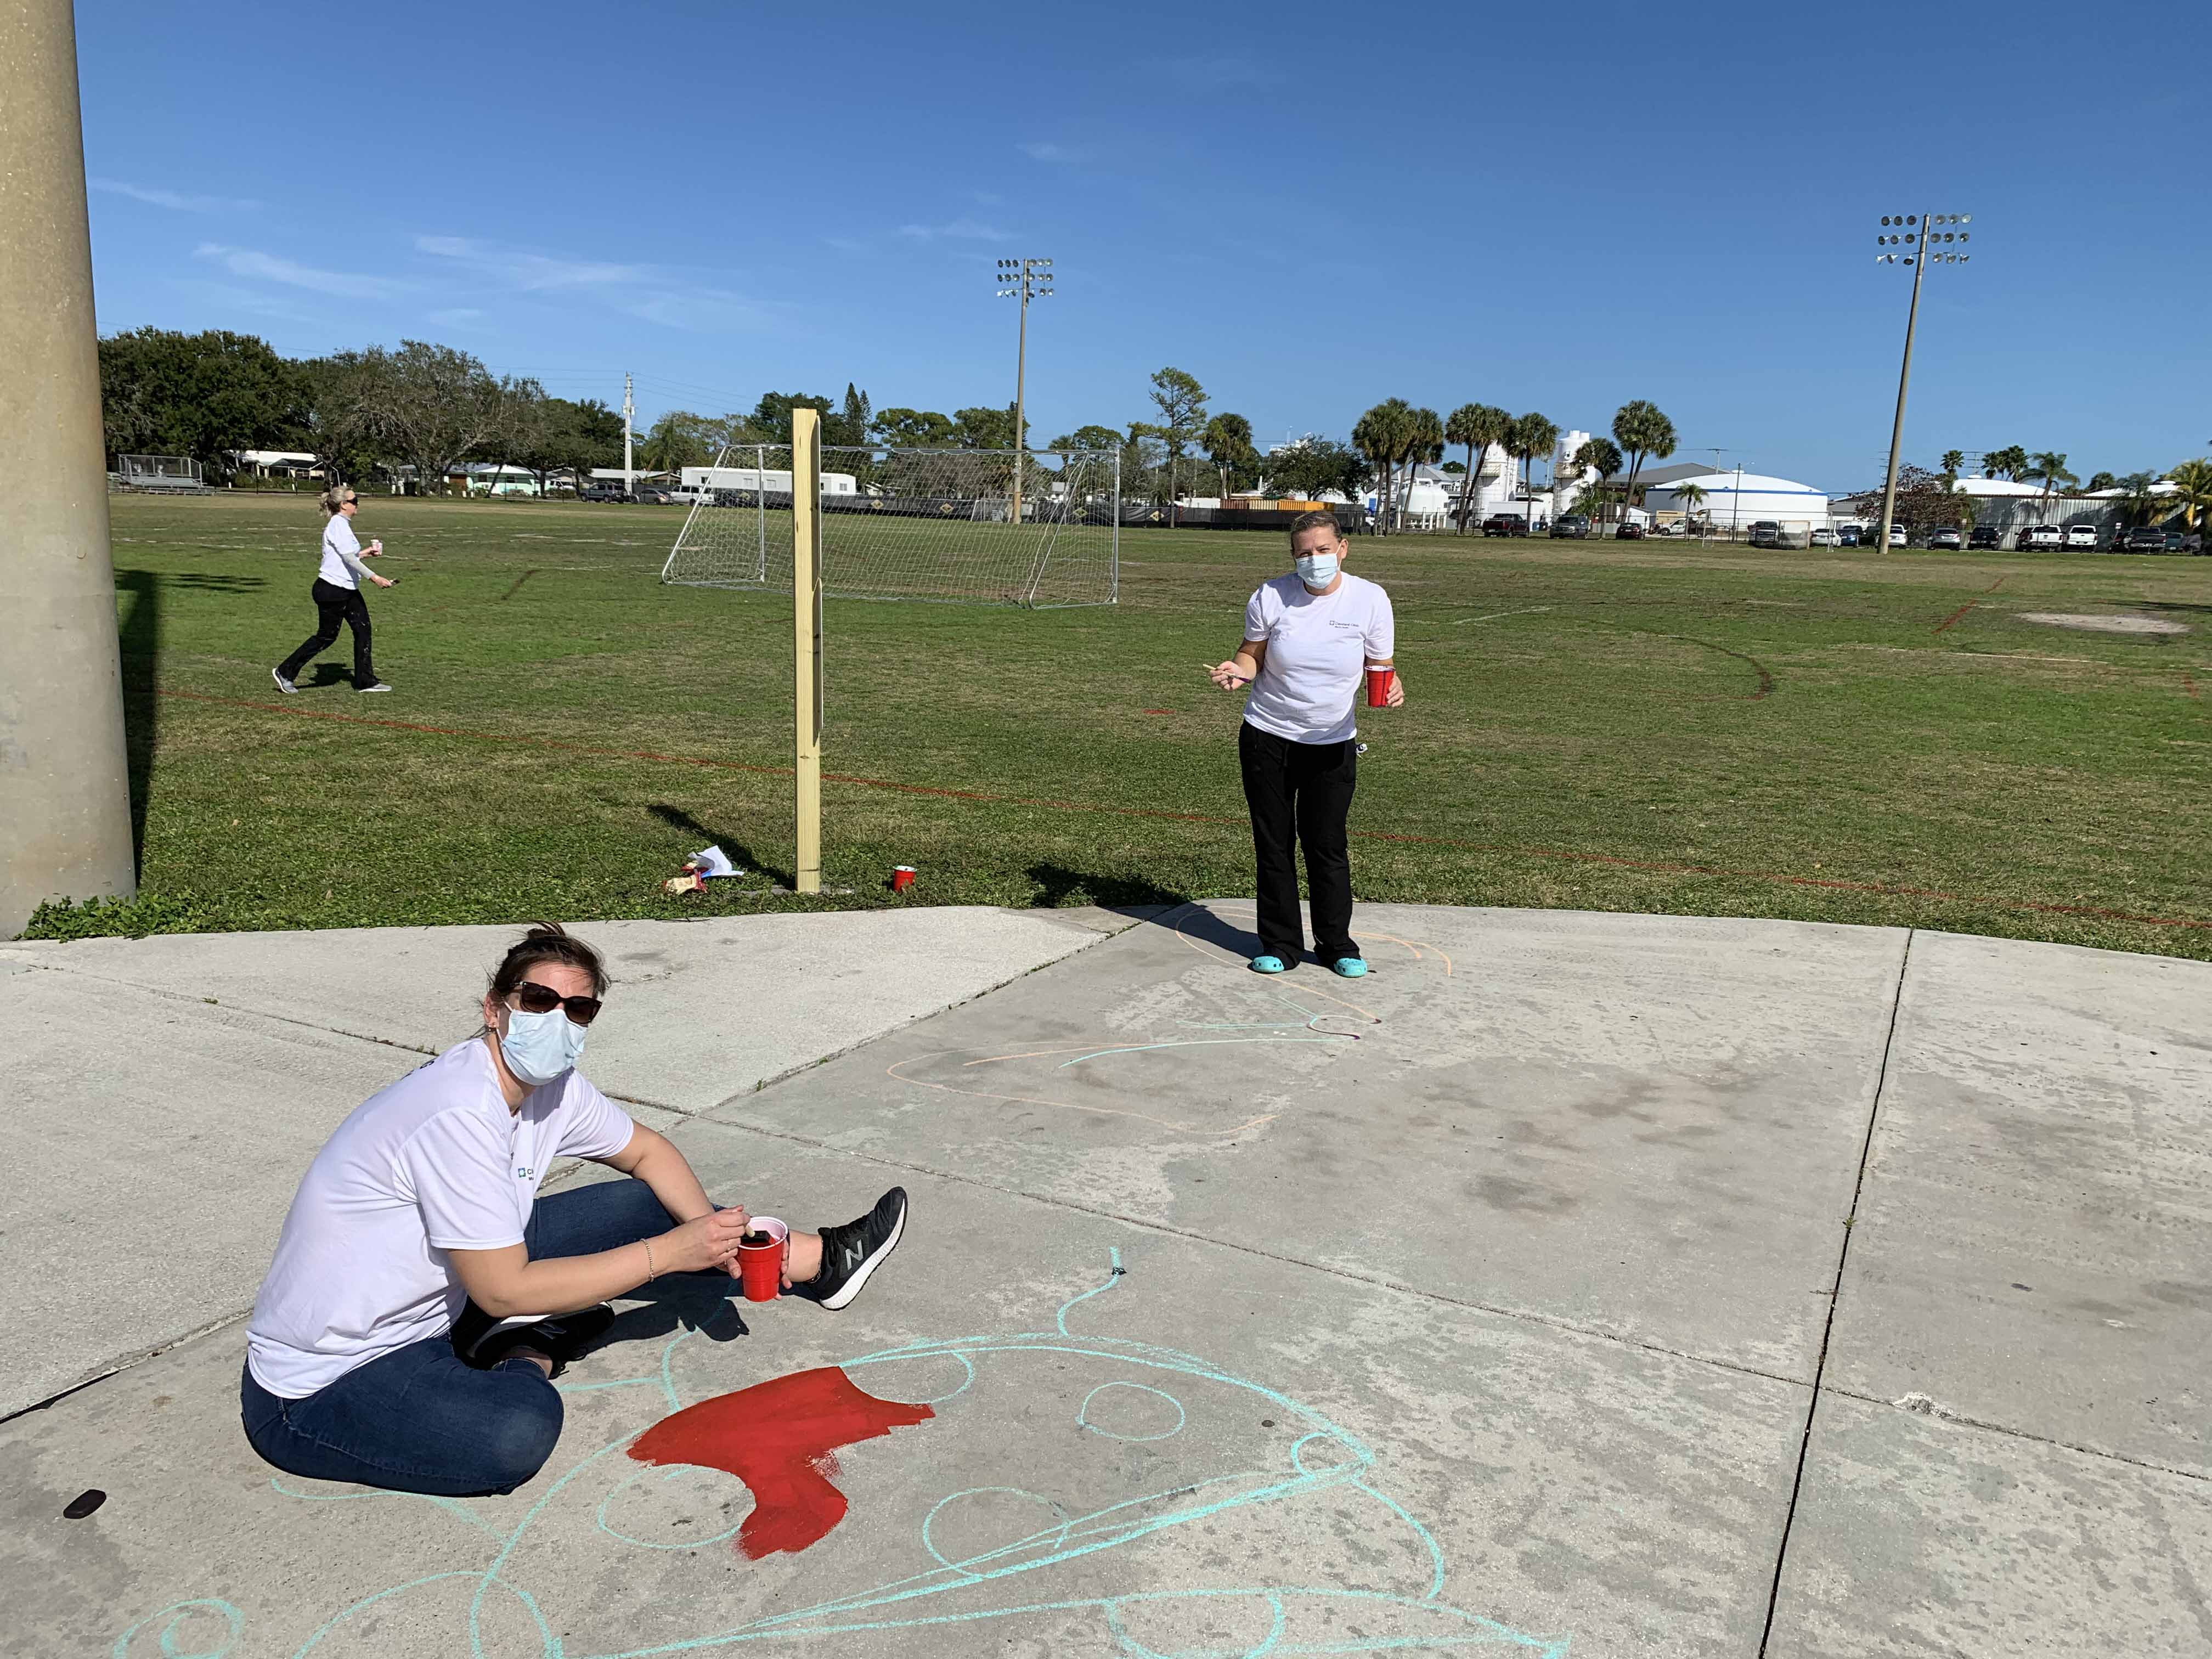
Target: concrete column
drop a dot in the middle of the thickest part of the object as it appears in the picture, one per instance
(64, 779)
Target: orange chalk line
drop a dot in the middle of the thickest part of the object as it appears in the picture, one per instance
(1955, 614)
(1650, 866)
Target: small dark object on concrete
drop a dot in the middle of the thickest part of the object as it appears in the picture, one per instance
(83, 1505)
(1267, 1422)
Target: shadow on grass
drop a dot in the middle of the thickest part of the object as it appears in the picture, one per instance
(740, 854)
(1058, 887)
(138, 639)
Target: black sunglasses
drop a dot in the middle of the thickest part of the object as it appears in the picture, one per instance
(537, 998)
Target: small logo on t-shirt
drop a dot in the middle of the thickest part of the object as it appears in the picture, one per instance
(523, 1172)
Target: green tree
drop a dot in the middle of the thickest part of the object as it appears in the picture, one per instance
(983, 428)
(1089, 437)
(1478, 426)
(1181, 401)
(434, 407)
(2010, 462)
(770, 421)
(681, 439)
(1530, 436)
(1693, 497)
(1602, 457)
(1380, 436)
(2192, 484)
(1313, 467)
(1228, 440)
(1953, 460)
(2140, 500)
(918, 428)
(2101, 480)
(849, 425)
(1425, 445)
(201, 395)
(555, 433)
(1643, 434)
(2048, 465)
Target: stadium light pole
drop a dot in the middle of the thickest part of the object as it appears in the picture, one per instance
(1024, 280)
(65, 825)
(1917, 232)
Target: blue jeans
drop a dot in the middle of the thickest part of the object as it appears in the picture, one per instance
(417, 1418)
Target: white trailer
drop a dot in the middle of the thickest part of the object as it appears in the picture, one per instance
(700, 482)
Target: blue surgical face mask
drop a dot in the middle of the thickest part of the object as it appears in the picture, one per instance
(1316, 570)
(540, 1046)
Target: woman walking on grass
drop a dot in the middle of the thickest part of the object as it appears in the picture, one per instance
(423, 1295)
(1310, 639)
(337, 597)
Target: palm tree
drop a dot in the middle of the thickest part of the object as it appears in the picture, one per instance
(2192, 484)
(1602, 457)
(2140, 500)
(1692, 497)
(1228, 441)
(1478, 426)
(1642, 431)
(1953, 460)
(1380, 435)
(2048, 465)
(1530, 435)
(2006, 462)
(1424, 444)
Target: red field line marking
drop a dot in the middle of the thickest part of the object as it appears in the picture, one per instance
(1995, 585)
(1955, 614)
(1658, 866)
(2189, 685)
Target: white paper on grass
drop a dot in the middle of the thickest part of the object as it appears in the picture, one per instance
(711, 862)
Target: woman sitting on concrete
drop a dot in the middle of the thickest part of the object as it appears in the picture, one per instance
(423, 1295)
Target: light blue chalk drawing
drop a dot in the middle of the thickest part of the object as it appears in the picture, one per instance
(1323, 1460)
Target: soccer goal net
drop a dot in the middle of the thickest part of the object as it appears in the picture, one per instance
(958, 525)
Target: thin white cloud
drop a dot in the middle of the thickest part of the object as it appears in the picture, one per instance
(1060, 153)
(960, 230)
(176, 201)
(531, 272)
(271, 268)
(668, 296)
(454, 314)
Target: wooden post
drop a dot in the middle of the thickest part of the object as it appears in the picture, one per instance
(806, 642)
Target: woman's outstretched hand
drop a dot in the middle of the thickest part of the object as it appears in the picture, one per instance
(1397, 693)
(709, 1242)
(1225, 675)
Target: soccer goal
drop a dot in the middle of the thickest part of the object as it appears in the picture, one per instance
(977, 527)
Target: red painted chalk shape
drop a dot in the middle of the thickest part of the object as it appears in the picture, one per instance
(778, 1437)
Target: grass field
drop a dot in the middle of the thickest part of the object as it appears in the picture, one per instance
(1835, 735)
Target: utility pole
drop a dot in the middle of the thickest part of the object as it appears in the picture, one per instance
(630, 411)
(65, 823)
(1024, 279)
(1920, 237)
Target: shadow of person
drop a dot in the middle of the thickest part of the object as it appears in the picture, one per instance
(701, 1302)
(331, 673)
(740, 854)
(1194, 921)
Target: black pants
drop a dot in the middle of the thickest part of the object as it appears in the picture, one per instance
(335, 607)
(1301, 791)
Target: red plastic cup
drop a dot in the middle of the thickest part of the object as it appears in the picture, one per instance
(902, 877)
(1379, 687)
(760, 1265)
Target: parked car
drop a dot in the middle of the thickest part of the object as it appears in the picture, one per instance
(602, 492)
(1571, 527)
(2081, 535)
(1766, 532)
(2042, 535)
(2145, 539)
(1823, 537)
(1985, 535)
(1946, 540)
(653, 493)
(1505, 524)
(1625, 532)
(1850, 535)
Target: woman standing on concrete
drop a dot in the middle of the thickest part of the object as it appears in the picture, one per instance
(423, 1295)
(1311, 639)
(337, 597)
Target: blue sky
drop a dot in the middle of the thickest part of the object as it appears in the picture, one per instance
(1309, 208)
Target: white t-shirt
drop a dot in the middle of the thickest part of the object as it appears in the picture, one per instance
(338, 540)
(434, 1163)
(1318, 649)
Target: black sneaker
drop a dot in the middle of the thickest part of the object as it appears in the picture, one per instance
(482, 1341)
(852, 1252)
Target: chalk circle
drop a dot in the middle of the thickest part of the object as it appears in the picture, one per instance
(204, 1628)
(682, 1508)
(983, 1527)
(1322, 1453)
(1128, 1419)
(887, 1387)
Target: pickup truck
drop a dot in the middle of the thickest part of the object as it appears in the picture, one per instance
(1505, 524)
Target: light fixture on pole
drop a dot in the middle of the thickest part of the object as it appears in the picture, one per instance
(1023, 280)
(1918, 239)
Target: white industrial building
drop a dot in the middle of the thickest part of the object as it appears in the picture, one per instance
(1737, 500)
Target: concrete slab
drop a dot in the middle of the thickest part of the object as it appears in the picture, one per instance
(700, 1010)
(1920, 1537)
(1183, 1457)
(1644, 1126)
(2032, 1247)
